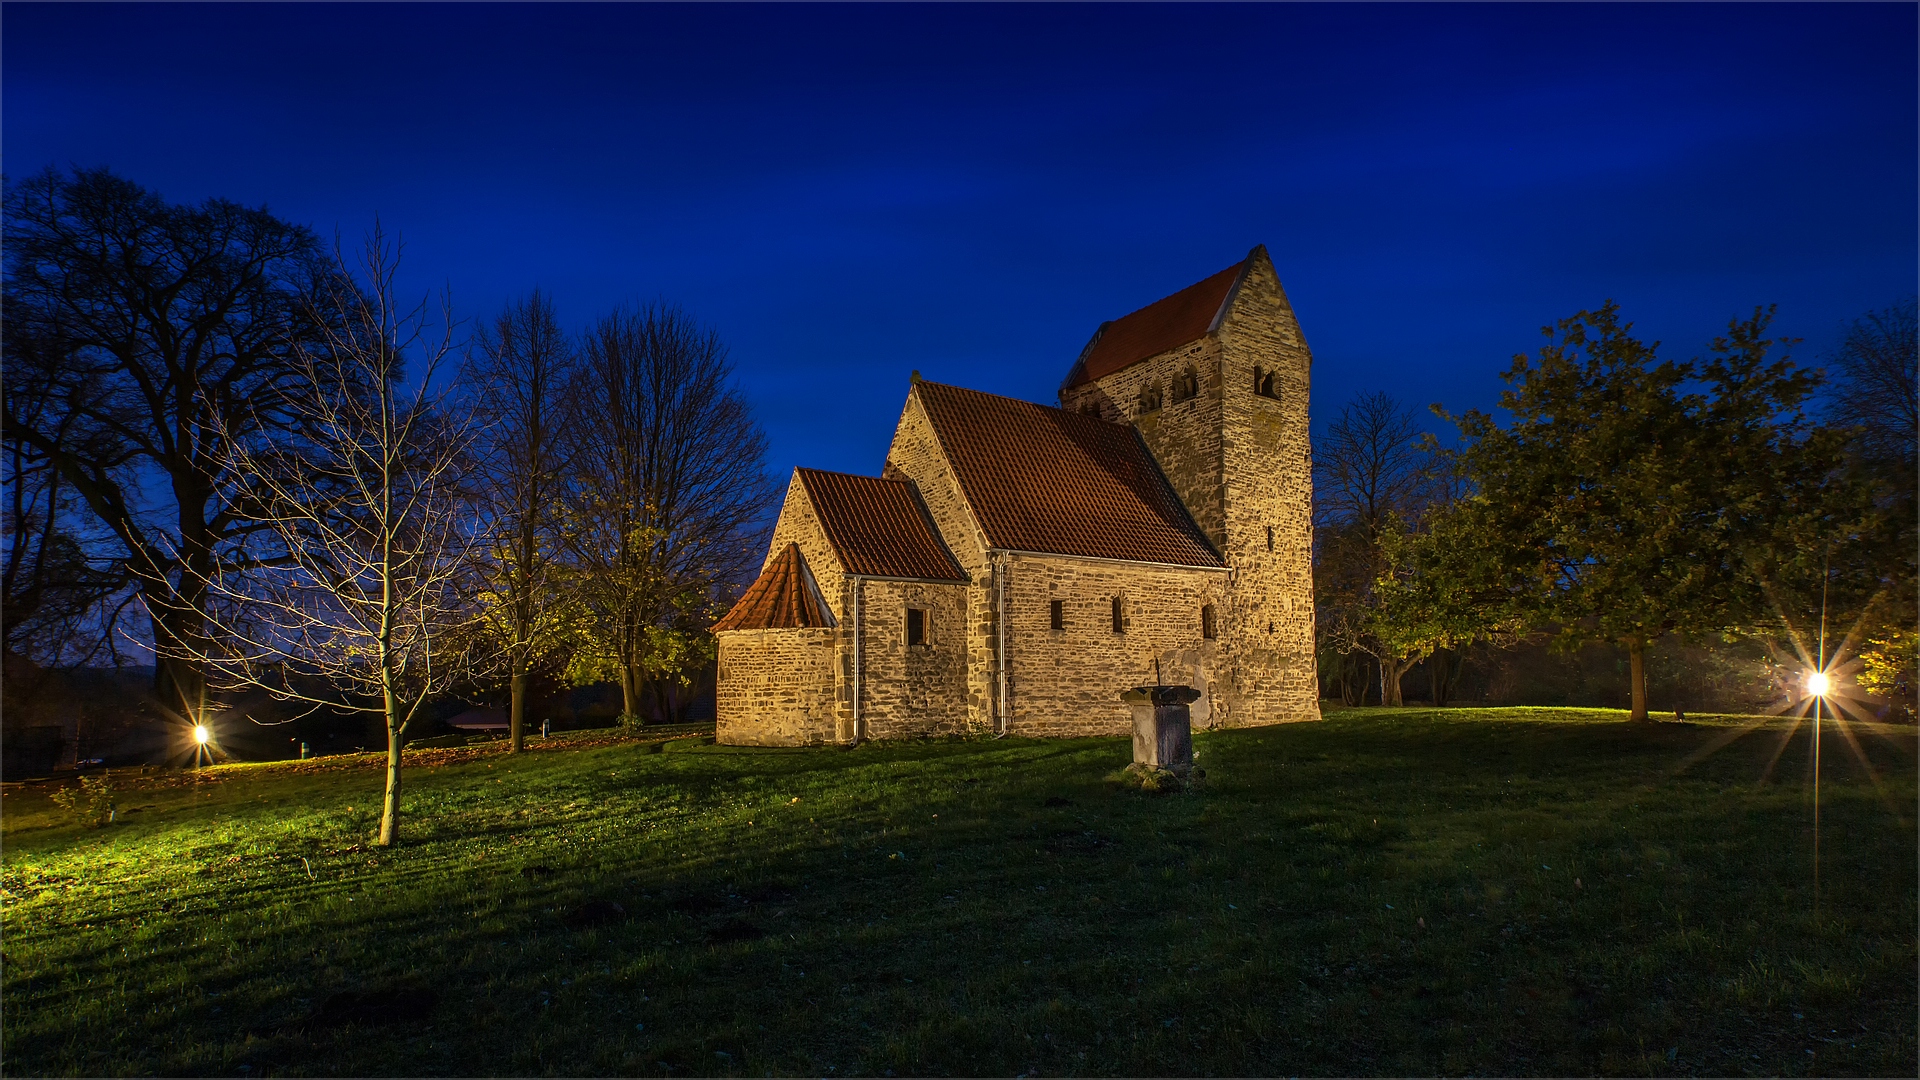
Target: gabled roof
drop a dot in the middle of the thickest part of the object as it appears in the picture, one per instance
(783, 596)
(1044, 479)
(877, 527)
(1164, 324)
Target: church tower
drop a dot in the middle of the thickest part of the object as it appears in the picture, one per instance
(1215, 380)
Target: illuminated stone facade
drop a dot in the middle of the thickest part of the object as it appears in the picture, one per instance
(1042, 642)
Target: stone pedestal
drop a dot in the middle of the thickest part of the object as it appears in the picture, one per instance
(1162, 726)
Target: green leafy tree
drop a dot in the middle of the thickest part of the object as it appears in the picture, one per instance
(1622, 503)
(1440, 590)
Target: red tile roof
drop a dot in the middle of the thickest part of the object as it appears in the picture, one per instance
(878, 527)
(782, 596)
(1044, 479)
(1164, 324)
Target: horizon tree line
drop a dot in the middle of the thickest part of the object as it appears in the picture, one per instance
(605, 493)
(234, 446)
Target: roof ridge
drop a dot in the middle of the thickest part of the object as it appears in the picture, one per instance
(849, 475)
(1078, 416)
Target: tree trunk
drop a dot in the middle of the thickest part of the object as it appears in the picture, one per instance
(1637, 672)
(517, 712)
(179, 686)
(1391, 672)
(390, 806)
(629, 691)
(179, 681)
(1451, 664)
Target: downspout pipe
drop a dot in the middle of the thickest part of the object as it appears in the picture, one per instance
(1002, 563)
(859, 592)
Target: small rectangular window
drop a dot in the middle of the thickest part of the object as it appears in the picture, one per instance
(1269, 538)
(916, 626)
(1207, 629)
(1119, 617)
(1059, 614)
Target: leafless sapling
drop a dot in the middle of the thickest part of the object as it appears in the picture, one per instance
(369, 523)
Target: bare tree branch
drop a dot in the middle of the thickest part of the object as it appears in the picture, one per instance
(370, 527)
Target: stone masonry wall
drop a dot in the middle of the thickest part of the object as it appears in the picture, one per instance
(908, 690)
(776, 687)
(1241, 463)
(916, 455)
(1069, 681)
(800, 524)
(1268, 468)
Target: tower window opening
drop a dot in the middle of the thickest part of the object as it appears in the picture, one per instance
(1269, 538)
(1058, 612)
(1207, 629)
(1263, 385)
(1119, 617)
(916, 626)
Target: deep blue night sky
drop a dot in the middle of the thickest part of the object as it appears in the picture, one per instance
(849, 193)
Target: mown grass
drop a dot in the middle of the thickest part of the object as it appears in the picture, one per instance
(1515, 891)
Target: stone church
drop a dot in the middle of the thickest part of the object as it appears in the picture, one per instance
(1015, 567)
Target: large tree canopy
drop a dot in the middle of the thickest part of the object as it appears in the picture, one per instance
(1629, 497)
(136, 331)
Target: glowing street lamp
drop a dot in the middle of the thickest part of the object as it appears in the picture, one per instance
(202, 752)
(1818, 684)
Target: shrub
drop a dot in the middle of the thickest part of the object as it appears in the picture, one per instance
(91, 803)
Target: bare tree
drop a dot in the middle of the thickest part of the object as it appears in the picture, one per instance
(516, 378)
(1879, 388)
(371, 529)
(65, 586)
(159, 325)
(1372, 470)
(671, 496)
(1370, 464)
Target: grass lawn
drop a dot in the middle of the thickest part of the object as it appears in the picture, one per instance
(1509, 891)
